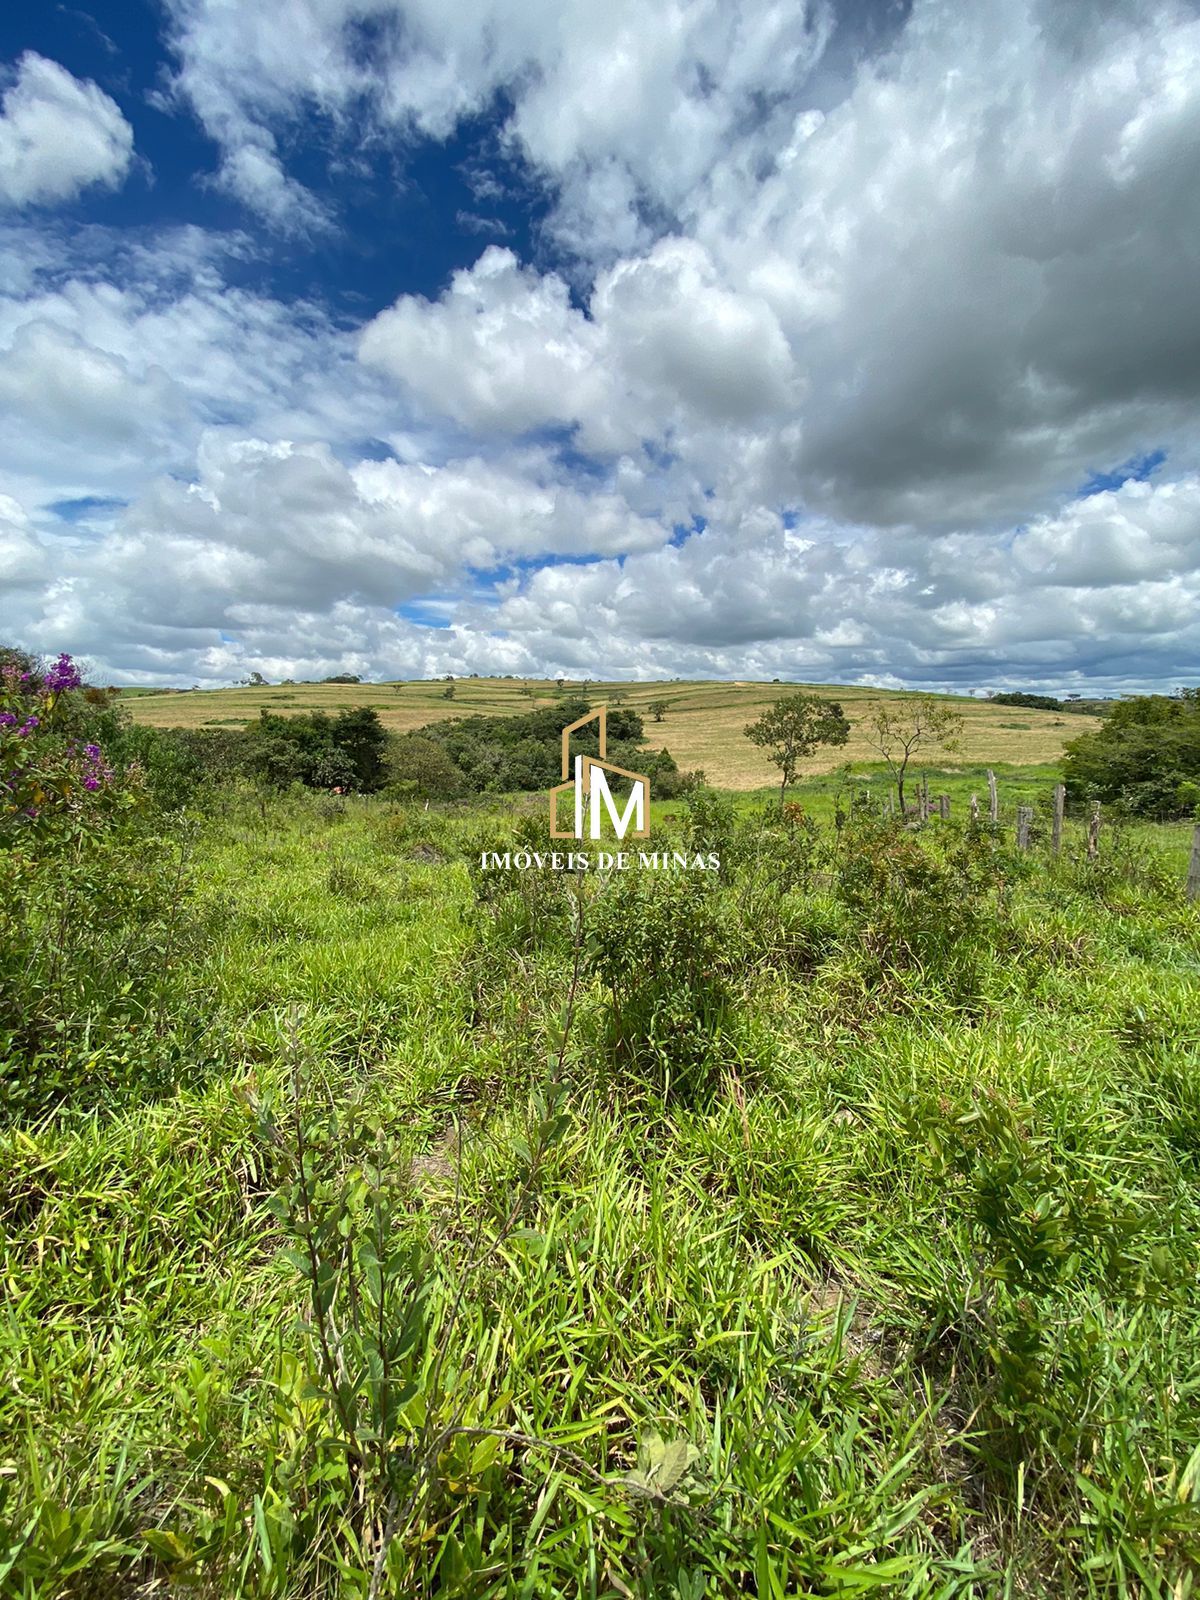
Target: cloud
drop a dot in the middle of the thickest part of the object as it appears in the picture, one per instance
(254, 174)
(503, 350)
(264, 559)
(107, 379)
(944, 297)
(23, 559)
(594, 89)
(58, 136)
(1109, 586)
(830, 319)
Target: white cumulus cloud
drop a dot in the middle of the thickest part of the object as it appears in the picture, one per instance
(58, 136)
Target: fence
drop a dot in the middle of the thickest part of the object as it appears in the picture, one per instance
(925, 808)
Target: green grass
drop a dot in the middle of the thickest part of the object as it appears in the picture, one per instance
(902, 1291)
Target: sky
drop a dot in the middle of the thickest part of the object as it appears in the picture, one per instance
(847, 342)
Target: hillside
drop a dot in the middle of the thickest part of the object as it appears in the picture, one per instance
(703, 726)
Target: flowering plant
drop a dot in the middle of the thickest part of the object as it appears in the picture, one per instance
(49, 780)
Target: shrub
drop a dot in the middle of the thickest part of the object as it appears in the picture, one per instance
(184, 766)
(56, 781)
(421, 766)
(1146, 757)
(95, 999)
(504, 755)
(661, 948)
(917, 907)
(346, 751)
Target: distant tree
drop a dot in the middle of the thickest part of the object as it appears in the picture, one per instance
(1021, 697)
(333, 769)
(523, 753)
(421, 766)
(256, 681)
(1145, 758)
(320, 751)
(793, 727)
(902, 727)
(659, 709)
(362, 738)
(448, 692)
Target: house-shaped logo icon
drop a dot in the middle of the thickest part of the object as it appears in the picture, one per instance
(586, 780)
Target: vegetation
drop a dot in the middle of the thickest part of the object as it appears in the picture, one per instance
(901, 728)
(342, 752)
(1145, 758)
(375, 1223)
(1047, 702)
(706, 720)
(506, 755)
(794, 727)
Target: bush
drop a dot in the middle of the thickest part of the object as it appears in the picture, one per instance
(506, 755)
(95, 999)
(57, 783)
(421, 766)
(185, 766)
(917, 908)
(1146, 757)
(346, 751)
(661, 947)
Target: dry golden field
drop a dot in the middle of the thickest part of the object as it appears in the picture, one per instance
(703, 726)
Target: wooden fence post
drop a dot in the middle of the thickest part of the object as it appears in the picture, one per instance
(974, 808)
(944, 807)
(1024, 818)
(1060, 800)
(1193, 877)
(1093, 845)
(993, 798)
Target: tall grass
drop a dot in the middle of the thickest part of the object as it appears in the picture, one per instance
(462, 1265)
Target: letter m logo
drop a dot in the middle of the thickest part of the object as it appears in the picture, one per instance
(585, 780)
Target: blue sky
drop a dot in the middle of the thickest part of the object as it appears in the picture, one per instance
(855, 343)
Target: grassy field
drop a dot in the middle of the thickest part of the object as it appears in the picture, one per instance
(703, 726)
(822, 1227)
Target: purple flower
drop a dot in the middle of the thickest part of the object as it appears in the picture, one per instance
(64, 674)
(7, 719)
(92, 752)
(29, 725)
(91, 782)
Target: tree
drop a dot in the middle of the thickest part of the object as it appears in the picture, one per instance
(448, 692)
(1022, 697)
(659, 709)
(283, 750)
(1145, 758)
(793, 727)
(423, 767)
(902, 727)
